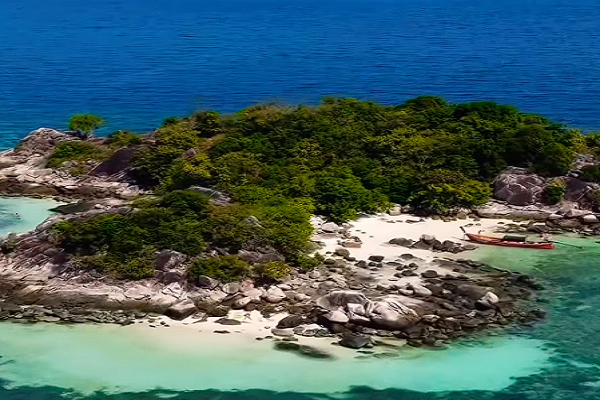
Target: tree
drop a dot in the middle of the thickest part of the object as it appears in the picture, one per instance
(87, 123)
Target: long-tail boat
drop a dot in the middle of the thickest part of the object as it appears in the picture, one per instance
(510, 241)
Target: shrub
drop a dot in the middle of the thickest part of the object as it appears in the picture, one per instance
(555, 191)
(75, 150)
(307, 263)
(272, 271)
(442, 197)
(120, 139)
(223, 268)
(85, 123)
(140, 265)
(591, 173)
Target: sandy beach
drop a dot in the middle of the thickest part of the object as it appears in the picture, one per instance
(374, 232)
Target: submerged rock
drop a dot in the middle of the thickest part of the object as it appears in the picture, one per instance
(303, 350)
(355, 341)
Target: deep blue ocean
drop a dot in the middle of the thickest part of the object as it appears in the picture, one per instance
(136, 62)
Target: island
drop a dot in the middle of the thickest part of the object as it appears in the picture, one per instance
(343, 219)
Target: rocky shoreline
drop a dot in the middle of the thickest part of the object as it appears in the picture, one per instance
(424, 301)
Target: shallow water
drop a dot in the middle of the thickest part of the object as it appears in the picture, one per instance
(143, 358)
(21, 214)
(556, 359)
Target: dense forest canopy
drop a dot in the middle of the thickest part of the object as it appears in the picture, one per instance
(280, 164)
(347, 156)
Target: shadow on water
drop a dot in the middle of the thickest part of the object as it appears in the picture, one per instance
(562, 382)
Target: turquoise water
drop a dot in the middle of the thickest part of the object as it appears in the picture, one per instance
(556, 359)
(136, 62)
(18, 214)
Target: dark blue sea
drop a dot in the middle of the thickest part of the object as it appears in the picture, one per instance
(136, 62)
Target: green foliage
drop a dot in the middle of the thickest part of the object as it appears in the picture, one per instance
(342, 196)
(85, 123)
(188, 171)
(120, 139)
(115, 242)
(450, 192)
(76, 150)
(341, 158)
(184, 221)
(307, 263)
(224, 268)
(555, 191)
(350, 157)
(8, 246)
(140, 265)
(591, 173)
(272, 271)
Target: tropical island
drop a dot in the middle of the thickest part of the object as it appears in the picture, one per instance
(256, 211)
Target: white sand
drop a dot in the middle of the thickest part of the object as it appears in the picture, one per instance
(253, 325)
(376, 231)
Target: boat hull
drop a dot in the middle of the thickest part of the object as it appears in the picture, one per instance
(506, 243)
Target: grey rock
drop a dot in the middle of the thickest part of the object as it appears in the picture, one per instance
(420, 245)
(231, 288)
(228, 321)
(342, 252)
(274, 295)
(181, 310)
(427, 239)
(429, 274)
(207, 282)
(330, 227)
(282, 332)
(402, 242)
(303, 350)
(355, 341)
(291, 321)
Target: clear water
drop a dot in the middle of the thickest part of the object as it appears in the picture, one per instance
(18, 214)
(557, 359)
(136, 62)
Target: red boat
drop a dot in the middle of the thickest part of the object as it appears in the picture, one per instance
(510, 241)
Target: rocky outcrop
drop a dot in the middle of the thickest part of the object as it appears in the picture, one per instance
(429, 242)
(23, 172)
(518, 187)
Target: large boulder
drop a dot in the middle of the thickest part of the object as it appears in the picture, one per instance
(181, 310)
(401, 242)
(518, 187)
(392, 314)
(207, 282)
(291, 321)
(168, 259)
(330, 227)
(274, 295)
(119, 162)
(42, 141)
(474, 292)
(337, 316)
(341, 298)
(355, 341)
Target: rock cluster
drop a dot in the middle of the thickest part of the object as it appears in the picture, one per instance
(429, 242)
(566, 216)
(23, 172)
